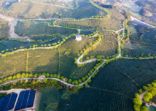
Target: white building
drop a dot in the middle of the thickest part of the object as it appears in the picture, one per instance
(78, 37)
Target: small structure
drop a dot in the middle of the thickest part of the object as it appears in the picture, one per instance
(19, 100)
(8, 3)
(78, 37)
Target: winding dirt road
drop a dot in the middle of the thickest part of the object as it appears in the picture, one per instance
(79, 62)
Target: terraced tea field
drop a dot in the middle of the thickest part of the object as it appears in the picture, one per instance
(101, 22)
(107, 46)
(111, 90)
(51, 60)
(81, 55)
(142, 41)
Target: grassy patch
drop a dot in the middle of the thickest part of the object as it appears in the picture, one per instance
(14, 63)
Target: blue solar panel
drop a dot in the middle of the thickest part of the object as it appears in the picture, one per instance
(7, 102)
(20, 100)
(31, 99)
(24, 102)
(26, 99)
(12, 101)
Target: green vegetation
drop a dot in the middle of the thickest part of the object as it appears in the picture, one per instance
(107, 47)
(47, 59)
(3, 30)
(144, 97)
(57, 70)
(101, 23)
(55, 59)
(99, 7)
(60, 58)
(54, 55)
(37, 28)
(37, 79)
(139, 41)
(49, 102)
(83, 9)
(52, 102)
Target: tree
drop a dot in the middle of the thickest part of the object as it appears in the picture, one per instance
(148, 96)
(18, 76)
(144, 108)
(137, 100)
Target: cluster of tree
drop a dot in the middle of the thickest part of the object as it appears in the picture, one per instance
(16, 76)
(144, 96)
(151, 92)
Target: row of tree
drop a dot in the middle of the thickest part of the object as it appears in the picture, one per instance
(87, 78)
(37, 45)
(90, 46)
(35, 79)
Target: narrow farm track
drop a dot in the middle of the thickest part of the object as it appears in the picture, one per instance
(79, 62)
(22, 79)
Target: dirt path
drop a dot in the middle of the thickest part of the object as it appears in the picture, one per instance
(79, 62)
(12, 22)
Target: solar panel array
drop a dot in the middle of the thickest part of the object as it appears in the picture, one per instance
(7, 102)
(25, 100)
